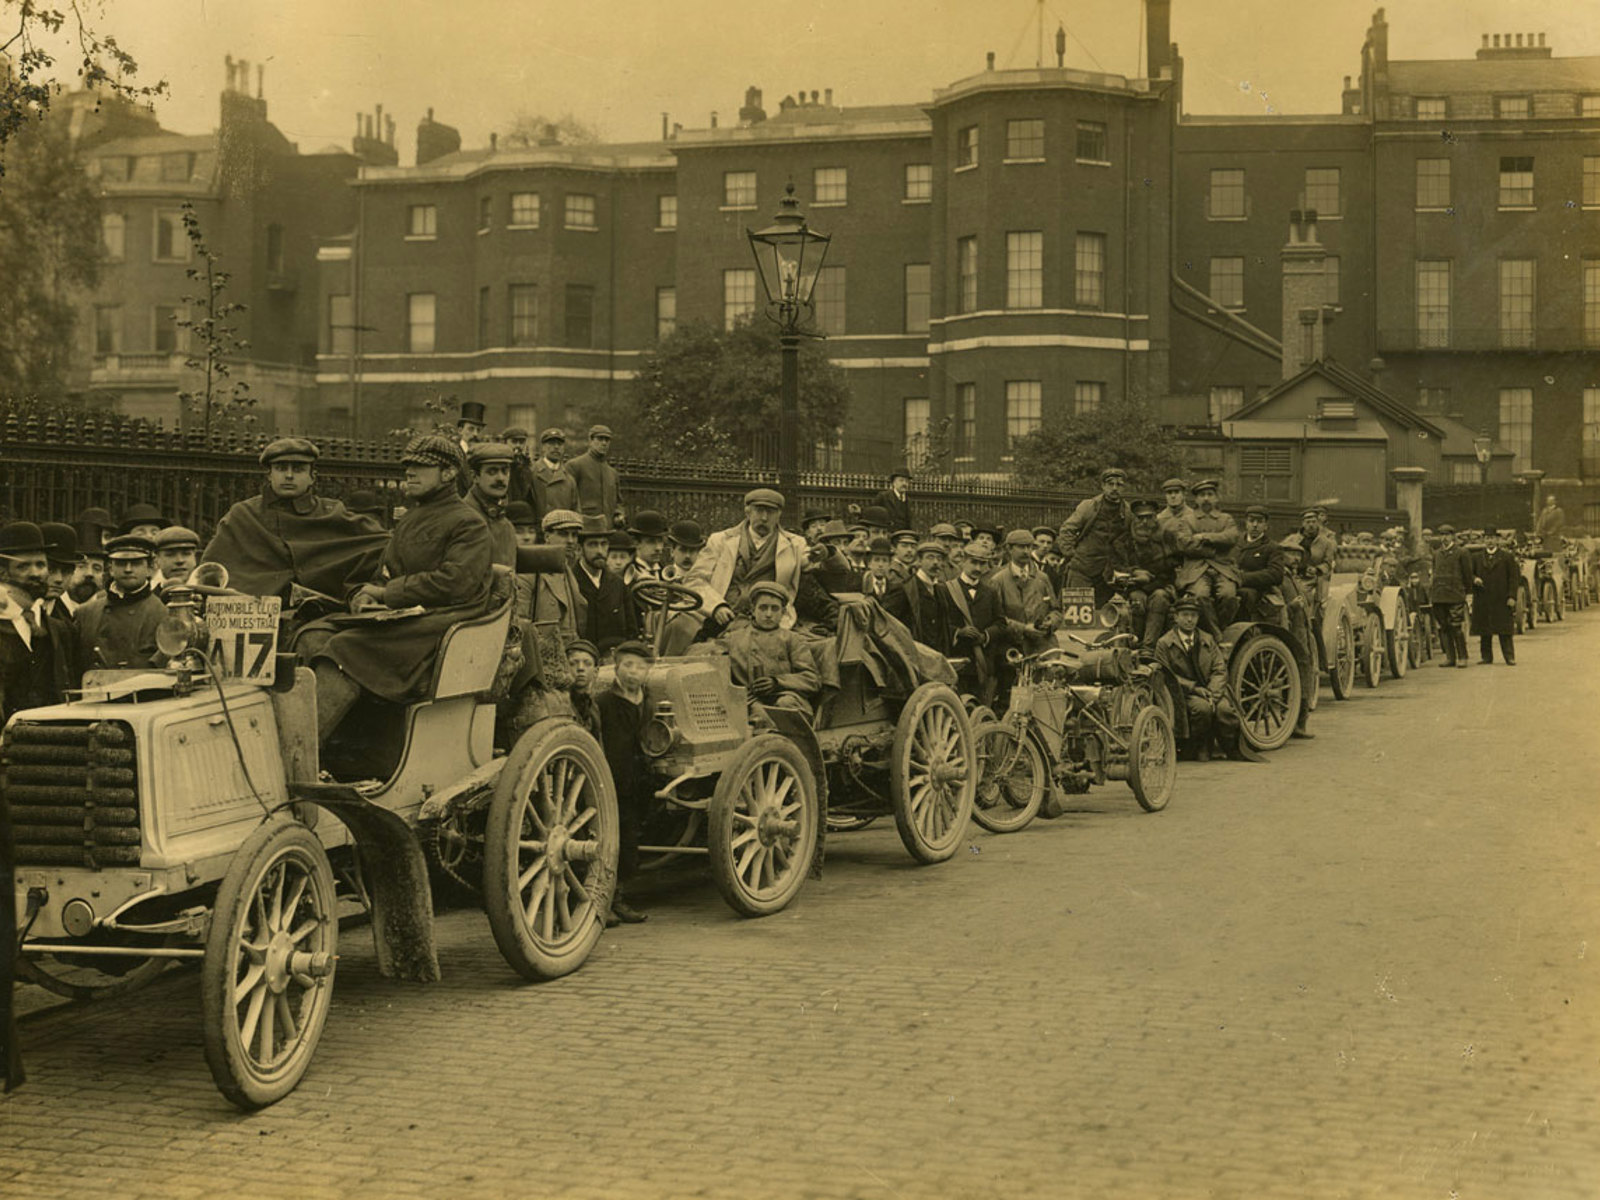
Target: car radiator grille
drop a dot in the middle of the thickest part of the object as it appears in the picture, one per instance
(73, 793)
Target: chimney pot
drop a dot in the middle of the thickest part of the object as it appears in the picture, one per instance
(430, 114)
(827, 97)
(990, 60)
(1061, 47)
(815, 96)
(663, 127)
(261, 71)
(358, 123)
(1485, 41)
(1541, 39)
(1497, 41)
(713, 120)
(494, 142)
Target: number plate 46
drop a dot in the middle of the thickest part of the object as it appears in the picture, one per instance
(1077, 607)
(243, 632)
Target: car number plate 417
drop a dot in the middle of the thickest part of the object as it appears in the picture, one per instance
(243, 636)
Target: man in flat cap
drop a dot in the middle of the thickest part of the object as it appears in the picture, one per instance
(1027, 600)
(1452, 579)
(896, 499)
(489, 464)
(439, 558)
(553, 486)
(1206, 539)
(289, 535)
(903, 557)
(1146, 555)
(1089, 535)
(775, 665)
(552, 598)
(40, 654)
(1318, 550)
(1176, 493)
(118, 627)
(1260, 562)
(599, 486)
(1192, 655)
(177, 555)
(834, 569)
(755, 550)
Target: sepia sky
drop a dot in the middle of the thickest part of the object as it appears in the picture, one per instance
(619, 65)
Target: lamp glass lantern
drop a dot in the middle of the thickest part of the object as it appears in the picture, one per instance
(789, 255)
(1483, 447)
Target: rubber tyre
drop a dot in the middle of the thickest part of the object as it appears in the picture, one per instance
(1371, 656)
(848, 822)
(554, 787)
(933, 774)
(1266, 681)
(1152, 759)
(1547, 602)
(1397, 641)
(274, 935)
(1421, 638)
(1013, 778)
(1524, 610)
(776, 843)
(1342, 668)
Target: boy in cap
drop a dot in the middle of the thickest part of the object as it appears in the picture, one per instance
(775, 665)
(583, 659)
(620, 549)
(118, 627)
(287, 534)
(40, 653)
(553, 485)
(599, 487)
(177, 555)
(489, 464)
(624, 709)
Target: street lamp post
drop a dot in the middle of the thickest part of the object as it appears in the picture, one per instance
(1483, 447)
(789, 256)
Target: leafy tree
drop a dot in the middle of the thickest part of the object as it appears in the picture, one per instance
(708, 395)
(49, 245)
(528, 129)
(1069, 452)
(214, 338)
(27, 62)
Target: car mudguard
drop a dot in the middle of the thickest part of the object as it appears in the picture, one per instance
(395, 875)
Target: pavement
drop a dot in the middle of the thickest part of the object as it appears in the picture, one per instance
(1359, 970)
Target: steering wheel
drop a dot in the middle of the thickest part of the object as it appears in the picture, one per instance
(651, 594)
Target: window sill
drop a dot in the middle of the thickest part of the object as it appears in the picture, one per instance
(422, 237)
(485, 229)
(966, 458)
(1239, 218)
(1448, 208)
(917, 200)
(1516, 208)
(971, 166)
(1321, 217)
(736, 208)
(581, 228)
(523, 227)
(829, 203)
(1011, 162)
(170, 262)
(666, 229)
(1092, 162)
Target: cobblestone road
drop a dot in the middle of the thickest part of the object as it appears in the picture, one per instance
(1364, 969)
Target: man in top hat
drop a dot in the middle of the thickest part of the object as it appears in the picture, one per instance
(524, 525)
(599, 487)
(118, 627)
(895, 499)
(920, 602)
(40, 654)
(775, 665)
(684, 541)
(1205, 539)
(649, 532)
(1260, 563)
(289, 535)
(469, 425)
(977, 624)
(1088, 537)
(177, 555)
(1146, 555)
(903, 557)
(755, 550)
(1027, 601)
(489, 464)
(1447, 593)
(63, 563)
(1176, 493)
(145, 520)
(553, 485)
(439, 558)
(1191, 654)
(611, 615)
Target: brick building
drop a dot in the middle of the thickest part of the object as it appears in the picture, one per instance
(263, 207)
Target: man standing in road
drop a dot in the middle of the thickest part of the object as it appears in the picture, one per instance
(1550, 524)
(489, 463)
(599, 487)
(1452, 579)
(1089, 534)
(1494, 600)
(1206, 538)
(553, 486)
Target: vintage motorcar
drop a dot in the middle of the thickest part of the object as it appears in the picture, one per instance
(753, 788)
(1367, 588)
(182, 814)
(1076, 720)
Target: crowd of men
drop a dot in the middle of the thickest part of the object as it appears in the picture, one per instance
(484, 524)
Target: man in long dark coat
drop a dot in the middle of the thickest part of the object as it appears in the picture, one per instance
(610, 617)
(288, 534)
(599, 486)
(554, 489)
(118, 627)
(977, 622)
(1494, 600)
(40, 657)
(439, 559)
(895, 499)
(1447, 593)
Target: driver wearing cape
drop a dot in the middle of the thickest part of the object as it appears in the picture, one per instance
(289, 535)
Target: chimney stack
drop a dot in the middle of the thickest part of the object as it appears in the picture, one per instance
(435, 140)
(1158, 38)
(752, 113)
(713, 120)
(1061, 45)
(494, 142)
(989, 58)
(827, 97)
(663, 127)
(1304, 294)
